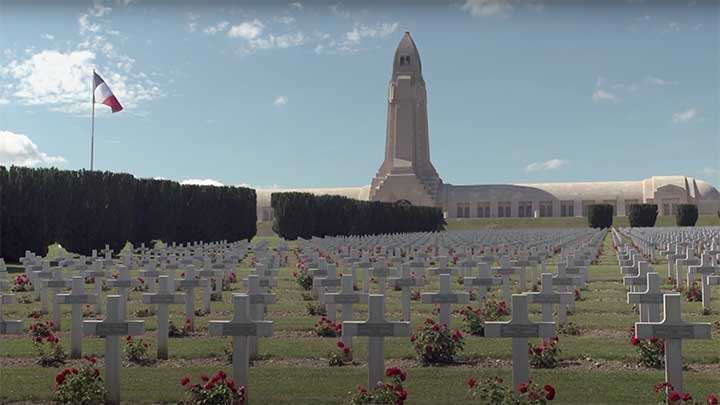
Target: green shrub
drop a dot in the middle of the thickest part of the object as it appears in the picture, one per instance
(642, 215)
(84, 210)
(600, 215)
(687, 215)
(304, 215)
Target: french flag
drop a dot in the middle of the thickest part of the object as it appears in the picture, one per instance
(103, 95)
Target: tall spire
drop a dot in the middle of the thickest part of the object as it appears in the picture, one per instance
(407, 172)
(407, 58)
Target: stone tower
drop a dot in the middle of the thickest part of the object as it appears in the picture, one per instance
(407, 173)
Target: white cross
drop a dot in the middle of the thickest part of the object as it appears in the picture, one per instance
(445, 297)
(484, 281)
(640, 279)
(362, 267)
(123, 284)
(648, 301)
(547, 297)
(241, 328)
(705, 270)
(505, 271)
(441, 266)
(9, 327)
(162, 298)
(55, 285)
(98, 274)
(36, 274)
(259, 299)
(380, 271)
(406, 280)
(214, 279)
(519, 328)
(688, 260)
(521, 264)
(709, 282)
(673, 329)
(77, 298)
(376, 328)
(565, 282)
(347, 297)
(328, 284)
(112, 328)
(189, 284)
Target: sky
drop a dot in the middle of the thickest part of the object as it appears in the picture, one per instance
(294, 94)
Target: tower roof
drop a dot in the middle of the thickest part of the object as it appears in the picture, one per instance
(411, 57)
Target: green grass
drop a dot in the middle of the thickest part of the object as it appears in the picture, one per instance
(295, 371)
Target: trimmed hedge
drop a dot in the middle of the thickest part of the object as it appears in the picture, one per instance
(84, 210)
(686, 215)
(642, 215)
(600, 215)
(304, 215)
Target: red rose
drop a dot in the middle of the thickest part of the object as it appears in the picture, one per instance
(712, 399)
(634, 341)
(687, 397)
(428, 349)
(412, 338)
(472, 382)
(549, 392)
(129, 338)
(674, 396)
(97, 373)
(346, 350)
(60, 378)
(523, 387)
(340, 344)
(221, 375)
(209, 386)
(205, 378)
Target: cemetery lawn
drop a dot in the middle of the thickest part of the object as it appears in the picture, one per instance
(599, 366)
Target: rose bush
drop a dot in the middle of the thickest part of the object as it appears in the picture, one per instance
(437, 344)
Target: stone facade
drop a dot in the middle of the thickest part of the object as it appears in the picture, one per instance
(407, 172)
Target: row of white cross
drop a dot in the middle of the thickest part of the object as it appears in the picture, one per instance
(653, 304)
(247, 324)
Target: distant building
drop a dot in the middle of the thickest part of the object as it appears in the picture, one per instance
(407, 173)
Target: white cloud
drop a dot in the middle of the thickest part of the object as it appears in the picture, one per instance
(60, 79)
(684, 116)
(482, 8)
(351, 41)
(19, 150)
(251, 32)
(286, 19)
(49, 36)
(600, 96)
(246, 30)
(280, 101)
(363, 31)
(191, 25)
(202, 182)
(296, 5)
(53, 77)
(551, 164)
(656, 81)
(4, 101)
(214, 29)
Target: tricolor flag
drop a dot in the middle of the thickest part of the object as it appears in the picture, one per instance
(103, 95)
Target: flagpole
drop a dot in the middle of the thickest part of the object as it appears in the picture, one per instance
(92, 132)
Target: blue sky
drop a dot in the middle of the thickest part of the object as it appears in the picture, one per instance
(293, 94)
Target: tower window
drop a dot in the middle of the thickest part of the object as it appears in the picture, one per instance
(404, 59)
